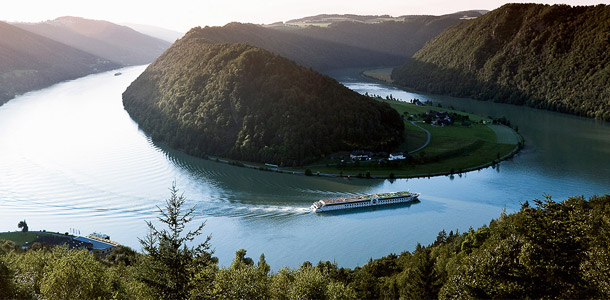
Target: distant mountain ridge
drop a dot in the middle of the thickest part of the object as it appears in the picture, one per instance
(243, 102)
(550, 57)
(119, 44)
(394, 37)
(329, 19)
(311, 52)
(334, 18)
(346, 42)
(161, 33)
(29, 61)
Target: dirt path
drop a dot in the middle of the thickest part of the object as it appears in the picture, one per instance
(427, 140)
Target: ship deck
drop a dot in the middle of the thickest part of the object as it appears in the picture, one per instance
(354, 199)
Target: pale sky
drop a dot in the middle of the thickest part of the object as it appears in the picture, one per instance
(181, 15)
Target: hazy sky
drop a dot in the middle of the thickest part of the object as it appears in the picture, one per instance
(182, 15)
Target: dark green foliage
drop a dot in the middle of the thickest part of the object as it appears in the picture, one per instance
(23, 226)
(122, 255)
(550, 57)
(557, 250)
(245, 103)
(169, 266)
(420, 280)
(242, 280)
(7, 286)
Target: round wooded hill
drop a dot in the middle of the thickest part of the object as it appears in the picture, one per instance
(245, 103)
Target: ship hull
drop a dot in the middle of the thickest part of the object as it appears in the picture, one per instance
(317, 207)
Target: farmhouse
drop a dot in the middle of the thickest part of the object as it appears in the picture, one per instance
(437, 118)
(396, 156)
(361, 155)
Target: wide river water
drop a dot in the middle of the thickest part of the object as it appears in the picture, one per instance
(71, 157)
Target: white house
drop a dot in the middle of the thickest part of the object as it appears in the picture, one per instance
(396, 156)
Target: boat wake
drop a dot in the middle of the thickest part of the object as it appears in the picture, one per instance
(254, 211)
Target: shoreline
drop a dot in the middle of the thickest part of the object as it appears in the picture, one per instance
(253, 165)
(391, 173)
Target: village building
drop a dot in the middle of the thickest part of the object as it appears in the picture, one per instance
(417, 102)
(97, 243)
(361, 155)
(397, 156)
(437, 118)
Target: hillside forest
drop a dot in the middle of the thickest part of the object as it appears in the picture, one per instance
(549, 57)
(245, 103)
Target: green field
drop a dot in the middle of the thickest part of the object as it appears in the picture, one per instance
(505, 134)
(21, 238)
(462, 146)
(414, 138)
(384, 74)
(468, 144)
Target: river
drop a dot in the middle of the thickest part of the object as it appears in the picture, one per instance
(71, 157)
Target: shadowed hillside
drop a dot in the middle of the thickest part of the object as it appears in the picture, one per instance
(397, 36)
(243, 102)
(550, 57)
(154, 31)
(29, 61)
(119, 44)
(318, 54)
(327, 42)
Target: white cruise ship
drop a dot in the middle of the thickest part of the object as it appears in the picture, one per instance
(363, 201)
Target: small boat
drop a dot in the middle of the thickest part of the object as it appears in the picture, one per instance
(117, 73)
(363, 201)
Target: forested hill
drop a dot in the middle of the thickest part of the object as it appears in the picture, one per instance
(119, 44)
(29, 61)
(243, 102)
(339, 41)
(396, 36)
(551, 57)
(307, 51)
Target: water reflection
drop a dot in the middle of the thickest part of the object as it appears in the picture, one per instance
(388, 208)
(72, 158)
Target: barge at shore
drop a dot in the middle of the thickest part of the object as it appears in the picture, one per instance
(363, 201)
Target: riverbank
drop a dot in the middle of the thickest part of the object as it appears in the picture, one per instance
(66, 166)
(382, 74)
(469, 143)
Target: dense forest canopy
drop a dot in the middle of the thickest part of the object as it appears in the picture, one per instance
(546, 250)
(551, 57)
(29, 61)
(243, 102)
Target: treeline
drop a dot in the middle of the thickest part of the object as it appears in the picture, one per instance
(29, 61)
(546, 250)
(245, 103)
(550, 57)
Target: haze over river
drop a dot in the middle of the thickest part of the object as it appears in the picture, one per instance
(71, 157)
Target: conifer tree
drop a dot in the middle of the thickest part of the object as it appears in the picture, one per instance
(171, 264)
